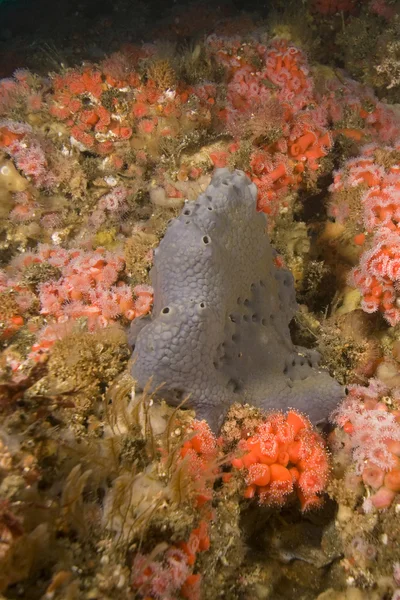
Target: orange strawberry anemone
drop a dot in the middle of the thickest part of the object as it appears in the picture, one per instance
(284, 455)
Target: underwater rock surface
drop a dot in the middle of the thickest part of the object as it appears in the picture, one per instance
(222, 306)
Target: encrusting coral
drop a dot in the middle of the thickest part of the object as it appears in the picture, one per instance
(219, 330)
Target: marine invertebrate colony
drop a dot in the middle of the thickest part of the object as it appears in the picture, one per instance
(284, 454)
(369, 418)
(366, 195)
(219, 330)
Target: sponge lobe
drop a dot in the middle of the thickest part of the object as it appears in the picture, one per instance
(220, 326)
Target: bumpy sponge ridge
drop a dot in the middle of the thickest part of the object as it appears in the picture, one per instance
(220, 325)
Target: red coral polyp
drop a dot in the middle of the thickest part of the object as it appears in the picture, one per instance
(284, 455)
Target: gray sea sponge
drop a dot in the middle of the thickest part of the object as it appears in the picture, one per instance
(220, 325)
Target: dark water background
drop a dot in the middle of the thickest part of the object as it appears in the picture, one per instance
(42, 34)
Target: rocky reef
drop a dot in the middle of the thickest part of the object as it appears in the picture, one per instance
(225, 185)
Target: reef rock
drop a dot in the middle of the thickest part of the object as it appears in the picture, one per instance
(219, 332)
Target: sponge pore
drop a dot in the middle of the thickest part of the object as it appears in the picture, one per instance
(219, 332)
